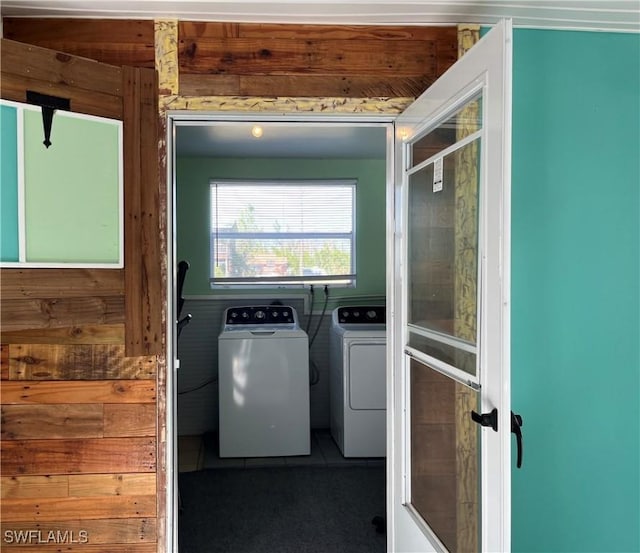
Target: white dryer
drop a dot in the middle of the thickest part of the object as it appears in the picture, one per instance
(357, 368)
(263, 383)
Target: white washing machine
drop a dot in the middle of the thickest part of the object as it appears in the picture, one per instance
(357, 354)
(263, 383)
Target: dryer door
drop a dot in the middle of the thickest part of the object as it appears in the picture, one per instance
(367, 375)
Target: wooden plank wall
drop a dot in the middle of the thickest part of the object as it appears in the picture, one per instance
(83, 429)
(78, 396)
(251, 59)
(78, 448)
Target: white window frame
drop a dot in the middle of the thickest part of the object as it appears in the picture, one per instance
(343, 280)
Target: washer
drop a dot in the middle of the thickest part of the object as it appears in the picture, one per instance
(263, 383)
(357, 354)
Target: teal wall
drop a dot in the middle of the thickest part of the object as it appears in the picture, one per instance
(575, 290)
(192, 207)
(9, 248)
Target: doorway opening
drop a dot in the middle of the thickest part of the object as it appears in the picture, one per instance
(329, 496)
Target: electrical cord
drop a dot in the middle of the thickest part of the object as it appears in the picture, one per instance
(199, 386)
(324, 310)
(310, 309)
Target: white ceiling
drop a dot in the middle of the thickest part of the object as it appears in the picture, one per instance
(293, 140)
(619, 15)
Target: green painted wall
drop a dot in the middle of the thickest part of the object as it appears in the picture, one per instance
(192, 207)
(72, 190)
(575, 290)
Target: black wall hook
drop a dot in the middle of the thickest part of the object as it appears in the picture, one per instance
(48, 104)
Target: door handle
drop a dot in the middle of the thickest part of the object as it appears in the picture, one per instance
(486, 419)
(516, 425)
(491, 419)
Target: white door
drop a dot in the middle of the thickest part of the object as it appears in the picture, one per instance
(449, 476)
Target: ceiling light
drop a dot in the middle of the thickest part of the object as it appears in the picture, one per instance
(256, 131)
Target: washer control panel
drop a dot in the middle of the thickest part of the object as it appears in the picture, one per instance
(362, 314)
(260, 315)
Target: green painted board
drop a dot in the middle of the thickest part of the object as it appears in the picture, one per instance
(72, 190)
(9, 242)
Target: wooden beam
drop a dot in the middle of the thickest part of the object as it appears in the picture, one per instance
(260, 56)
(144, 264)
(330, 105)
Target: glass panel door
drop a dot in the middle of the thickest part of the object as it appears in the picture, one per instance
(442, 313)
(445, 457)
(449, 310)
(442, 242)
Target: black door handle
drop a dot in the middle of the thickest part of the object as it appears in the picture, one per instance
(491, 419)
(516, 424)
(486, 419)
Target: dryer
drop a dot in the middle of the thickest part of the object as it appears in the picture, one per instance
(357, 369)
(263, 383)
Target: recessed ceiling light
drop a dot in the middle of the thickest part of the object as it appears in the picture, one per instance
(256, 131)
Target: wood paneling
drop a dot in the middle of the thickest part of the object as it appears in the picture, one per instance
(72, 456)
(99, 391)
(116, 42)
(143, 266)
(101, 531)
(35, 299)
(78, 362)
(39, 298)
(94, 86)
(311, 60)
(73, 508)
(90, 420)
(238, 56)
(87, 334)
(63, 312)
(21, 422)
(129, 420)
(84, 485)
(61, 283)
(252, 59)
(85, 548)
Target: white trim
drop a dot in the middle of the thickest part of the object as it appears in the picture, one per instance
(446, 339)
(586, 15)
(437, 365)
(22, 235)
(171, 384)
(446, 151)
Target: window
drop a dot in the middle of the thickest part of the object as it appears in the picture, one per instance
(282, 232)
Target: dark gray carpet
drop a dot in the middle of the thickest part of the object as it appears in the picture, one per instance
(282, 510)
